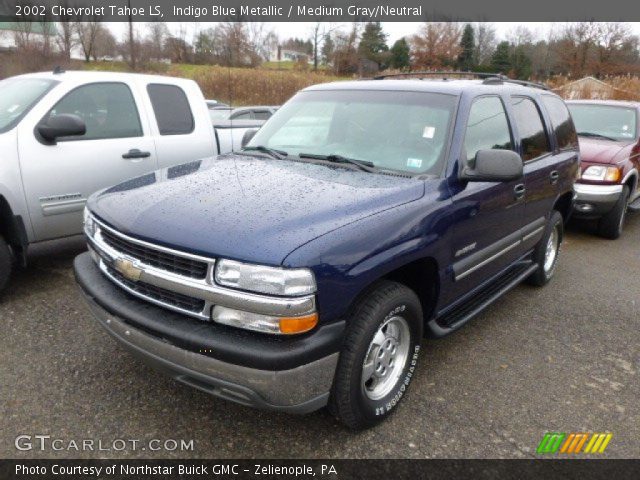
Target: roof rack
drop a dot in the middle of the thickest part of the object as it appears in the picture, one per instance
(488, 78)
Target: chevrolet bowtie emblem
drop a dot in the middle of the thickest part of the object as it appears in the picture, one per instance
(127, 269)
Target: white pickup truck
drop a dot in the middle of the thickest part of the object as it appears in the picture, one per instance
(65, 135)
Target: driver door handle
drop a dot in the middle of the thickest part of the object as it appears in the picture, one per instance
(519, 190)
(553, 177)
(135, 153)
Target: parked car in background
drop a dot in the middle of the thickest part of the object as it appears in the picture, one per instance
(257, 114)
(215, 104)
(609, 133)
(65, 135)
(231, 124)
(304, 270)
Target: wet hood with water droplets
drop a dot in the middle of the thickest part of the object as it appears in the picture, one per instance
(251, 209)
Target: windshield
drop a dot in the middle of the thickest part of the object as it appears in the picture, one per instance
(617, 123)
(220, 114)
(17, 96)
(405, 131)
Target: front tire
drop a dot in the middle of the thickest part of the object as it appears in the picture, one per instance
(547, 251)
(610, 226)
(379, 356)
(6, 263)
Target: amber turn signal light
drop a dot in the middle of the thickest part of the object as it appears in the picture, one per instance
(612, 175)
(293, 325)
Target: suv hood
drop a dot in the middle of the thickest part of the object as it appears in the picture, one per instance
(243, 208)
(602, 151)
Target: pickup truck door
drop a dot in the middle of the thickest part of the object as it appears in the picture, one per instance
(58, 178)
(488, 216)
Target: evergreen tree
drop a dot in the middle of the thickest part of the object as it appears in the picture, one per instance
(400, 55)
(501, 59)
(327, 49)
(521, 63)
(373, 44)
(466, 59)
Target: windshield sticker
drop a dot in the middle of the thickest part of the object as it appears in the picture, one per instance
(428, 132)
(414, 162)
(13, 108)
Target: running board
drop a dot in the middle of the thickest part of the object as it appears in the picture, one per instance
(460, 314)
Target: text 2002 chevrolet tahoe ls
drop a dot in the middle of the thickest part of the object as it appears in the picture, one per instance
(305, 270)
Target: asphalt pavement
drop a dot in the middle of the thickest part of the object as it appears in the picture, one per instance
(562, 358)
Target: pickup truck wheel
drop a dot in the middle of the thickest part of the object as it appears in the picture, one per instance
(6, 262)
(547, 251)
(610, 226)
(379, 356)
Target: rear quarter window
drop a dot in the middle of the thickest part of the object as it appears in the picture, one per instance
(171, 109)
(563, 127)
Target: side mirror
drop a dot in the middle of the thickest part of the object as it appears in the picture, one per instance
(63, 125)
(494, 166)
(248, 135)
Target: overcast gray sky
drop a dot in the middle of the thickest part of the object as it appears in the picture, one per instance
(395, 30)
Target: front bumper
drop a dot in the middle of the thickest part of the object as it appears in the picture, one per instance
(159, 337)
(593, 201)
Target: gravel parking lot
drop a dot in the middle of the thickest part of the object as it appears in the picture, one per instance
(563, 358)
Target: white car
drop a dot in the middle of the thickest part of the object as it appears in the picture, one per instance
(65, 135)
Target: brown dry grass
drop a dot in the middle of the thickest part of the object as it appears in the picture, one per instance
(244, 86)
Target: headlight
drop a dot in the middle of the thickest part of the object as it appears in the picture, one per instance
(89, 223)
(601, 173)
(261, 279)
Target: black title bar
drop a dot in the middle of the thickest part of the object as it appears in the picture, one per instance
(317, 10)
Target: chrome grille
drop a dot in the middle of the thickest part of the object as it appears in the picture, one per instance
(156, 258)
(166, 297)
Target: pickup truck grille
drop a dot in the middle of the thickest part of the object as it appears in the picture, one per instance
(166, 297)
(156, 258)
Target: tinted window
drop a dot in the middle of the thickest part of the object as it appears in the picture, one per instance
(533, 136)
(618, 123)
(171, 109)
(108, 110)
(487, 128)
(261, 115)
(562, 122)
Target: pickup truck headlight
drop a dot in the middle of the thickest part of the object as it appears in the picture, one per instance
(262, 279)
(89, 223)
(602, 173)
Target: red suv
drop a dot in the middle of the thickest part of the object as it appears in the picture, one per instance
(609, 133)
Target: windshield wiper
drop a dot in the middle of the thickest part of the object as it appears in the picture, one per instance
(333, 158)
(596, 135)
(279, 154)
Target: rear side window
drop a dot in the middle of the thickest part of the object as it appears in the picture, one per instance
(171, 108)
(487, 128)
(562, 122)
(108, 110)
(533, 136)
(261, 115)
(245, 115)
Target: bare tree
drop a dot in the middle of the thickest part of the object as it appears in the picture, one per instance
(156, 40)
(86, 33)
(436, 45)
(485, 42)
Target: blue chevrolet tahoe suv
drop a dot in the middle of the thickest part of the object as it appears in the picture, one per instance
(304, 270)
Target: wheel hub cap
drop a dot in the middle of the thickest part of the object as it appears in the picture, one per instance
(386, 358)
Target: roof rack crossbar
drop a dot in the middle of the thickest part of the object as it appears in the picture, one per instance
(438, 73)
(489, 78)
